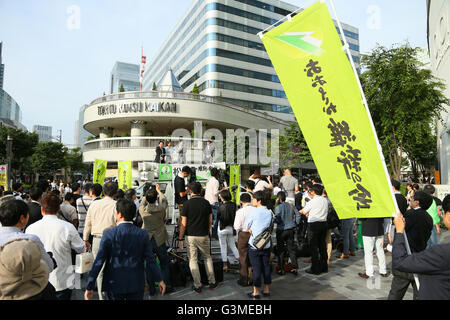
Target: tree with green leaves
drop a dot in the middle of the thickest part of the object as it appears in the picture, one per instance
(48, 158)
(122, 89)
(74, 162)
(195, 89)
(402, 97)
(421, 149)
(22, 148)
(293, 146)
(154, 87)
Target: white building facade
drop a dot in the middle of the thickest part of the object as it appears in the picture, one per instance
(215, 46)
(439, 45)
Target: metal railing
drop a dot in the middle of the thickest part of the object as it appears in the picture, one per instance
(135, 143)
(185, 96)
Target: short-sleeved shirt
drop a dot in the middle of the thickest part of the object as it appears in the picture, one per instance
(68, 212)
(433, 212)
(260, 185)
(197, 211)
(180, 186)
(82, 208)
(212, 190)
(317, 208)
(289, 183)
(258, 220)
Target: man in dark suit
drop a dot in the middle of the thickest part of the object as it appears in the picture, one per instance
(401, 200)
(35, 206)
(432, 265)
(127, 254)
(418, 230)
(402, 204)
(160, 153)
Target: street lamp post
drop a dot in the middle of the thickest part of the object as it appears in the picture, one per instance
(9, 157)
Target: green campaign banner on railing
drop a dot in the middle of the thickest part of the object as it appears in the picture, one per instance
(165, 172)
(125, 175)
(235, 180)
(100, 171)
(323, 91)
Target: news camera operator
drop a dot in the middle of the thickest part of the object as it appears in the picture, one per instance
(153, 217)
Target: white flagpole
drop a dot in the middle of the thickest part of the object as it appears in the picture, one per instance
(380, 149)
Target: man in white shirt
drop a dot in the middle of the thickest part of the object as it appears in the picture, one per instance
(13, 218)
(243, 237)
(58, 237)
(317, 211)
(212, 195)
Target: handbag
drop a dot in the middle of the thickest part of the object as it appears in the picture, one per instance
(84, 262)
(261, 240)
(293, 214)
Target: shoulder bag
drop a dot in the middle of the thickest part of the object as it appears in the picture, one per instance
(261, 240)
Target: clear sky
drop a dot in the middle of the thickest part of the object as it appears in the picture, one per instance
(59, 53)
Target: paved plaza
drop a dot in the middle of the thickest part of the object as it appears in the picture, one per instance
(340, 283)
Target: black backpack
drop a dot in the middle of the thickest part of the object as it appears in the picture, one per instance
(333, 219)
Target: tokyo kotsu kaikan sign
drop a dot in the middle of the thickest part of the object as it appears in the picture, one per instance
(137, 107)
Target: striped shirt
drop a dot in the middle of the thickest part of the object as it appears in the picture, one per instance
(82, 211)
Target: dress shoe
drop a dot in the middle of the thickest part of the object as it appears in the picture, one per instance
(384, 275)
(343, 256)
(364, 275)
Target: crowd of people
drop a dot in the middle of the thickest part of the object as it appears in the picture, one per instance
(40, 237)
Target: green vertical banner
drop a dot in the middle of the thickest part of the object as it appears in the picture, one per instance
(100, 171)
(321, 86)
(235, 180)
(165, 172)
(125, 175)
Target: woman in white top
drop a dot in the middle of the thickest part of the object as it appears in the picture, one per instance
(226, 216)
(260, 183)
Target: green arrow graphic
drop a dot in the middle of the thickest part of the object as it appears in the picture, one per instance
(303, 41)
